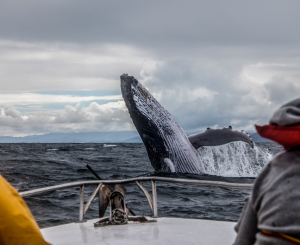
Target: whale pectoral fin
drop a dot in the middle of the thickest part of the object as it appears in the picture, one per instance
(214, 137)
(170, 164)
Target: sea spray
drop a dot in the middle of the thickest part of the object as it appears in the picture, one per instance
(235, 159)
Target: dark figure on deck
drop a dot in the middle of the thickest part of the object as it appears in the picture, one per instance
(272, 213)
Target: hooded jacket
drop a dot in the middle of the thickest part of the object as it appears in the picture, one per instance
(274, 205)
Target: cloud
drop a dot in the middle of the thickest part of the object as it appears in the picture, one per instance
(35, 98)
(12, 112)
(67, 66)
(202, 93)
(153, 23)
(94, 118)
(281, 91)
(219, 88)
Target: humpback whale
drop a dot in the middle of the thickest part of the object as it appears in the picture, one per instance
(169, 148)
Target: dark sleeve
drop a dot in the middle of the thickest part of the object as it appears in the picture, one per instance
(246, 227)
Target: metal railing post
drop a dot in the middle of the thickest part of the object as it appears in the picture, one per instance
(154, 198)
(146, 194)
(89, 202)
(81, 203)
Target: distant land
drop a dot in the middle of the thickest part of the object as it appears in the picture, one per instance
(257, 139)
(134, 140)
(91, 137)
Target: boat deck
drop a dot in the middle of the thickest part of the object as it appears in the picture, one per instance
(164, 231)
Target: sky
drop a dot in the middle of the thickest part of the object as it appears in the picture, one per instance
(210, 63)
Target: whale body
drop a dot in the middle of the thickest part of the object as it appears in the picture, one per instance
(169, 148)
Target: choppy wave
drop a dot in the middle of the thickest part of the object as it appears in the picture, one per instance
(31, 166)
(235, 159)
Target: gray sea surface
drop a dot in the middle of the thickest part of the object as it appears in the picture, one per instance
(31, 166)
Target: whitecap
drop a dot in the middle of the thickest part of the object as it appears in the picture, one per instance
(105, 145)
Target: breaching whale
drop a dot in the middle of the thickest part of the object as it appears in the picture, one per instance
(169, 148)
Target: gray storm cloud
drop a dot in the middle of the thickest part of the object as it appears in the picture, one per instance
(209, 93)
(158, 24)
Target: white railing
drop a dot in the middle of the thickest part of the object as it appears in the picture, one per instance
(152, 202)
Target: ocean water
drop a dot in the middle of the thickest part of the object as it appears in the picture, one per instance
(31, 166)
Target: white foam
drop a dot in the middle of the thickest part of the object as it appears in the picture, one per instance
(52, 149)
(236, 159)
(105, 145)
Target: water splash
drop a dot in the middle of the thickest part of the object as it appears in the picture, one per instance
(236, 159)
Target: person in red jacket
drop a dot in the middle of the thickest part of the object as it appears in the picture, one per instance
(272, 213)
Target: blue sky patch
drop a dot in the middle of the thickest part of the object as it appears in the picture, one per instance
(81, 92)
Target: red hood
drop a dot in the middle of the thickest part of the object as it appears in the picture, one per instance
(285, 136)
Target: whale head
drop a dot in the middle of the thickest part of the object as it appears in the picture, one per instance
(166, 143)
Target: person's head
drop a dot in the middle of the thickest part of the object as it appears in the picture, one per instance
(284, 127)
(287, 115)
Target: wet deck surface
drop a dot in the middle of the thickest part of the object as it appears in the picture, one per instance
(164, 231)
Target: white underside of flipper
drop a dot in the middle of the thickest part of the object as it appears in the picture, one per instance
(170, 164)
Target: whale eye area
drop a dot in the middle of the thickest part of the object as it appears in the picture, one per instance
(144, 93)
